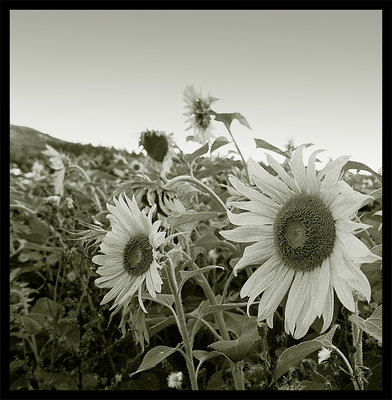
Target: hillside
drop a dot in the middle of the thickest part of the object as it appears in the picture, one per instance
(27, 144)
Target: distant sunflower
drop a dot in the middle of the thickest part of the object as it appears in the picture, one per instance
(131, 254)
(305, 243)
(158, 145)
(199, 113)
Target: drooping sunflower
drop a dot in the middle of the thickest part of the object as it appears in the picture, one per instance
(131, 253)
(199, 113)
(304, 240)
(158, 145)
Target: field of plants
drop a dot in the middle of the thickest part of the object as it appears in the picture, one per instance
(174, 271)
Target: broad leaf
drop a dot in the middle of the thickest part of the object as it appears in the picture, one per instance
(262, 144)
(237, 349)
(157, 324)
(295, 354)
(190, 216)
(203, 356)
(154, 357)
(371, 325)
(185, 275)
(199, 152)
(208, 242)
(360, 166)
(48, 307)
(219, 142)
(227, 119)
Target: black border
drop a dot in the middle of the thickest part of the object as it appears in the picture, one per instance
(6, 6)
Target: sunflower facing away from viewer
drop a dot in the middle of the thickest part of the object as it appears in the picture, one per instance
(198, 111)
(130, 253)
(305, 244)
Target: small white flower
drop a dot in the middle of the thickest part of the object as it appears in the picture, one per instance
(54, 200)
(69, 202)
(323, 355)
(15, 171)
(118, 378)
(174, 380)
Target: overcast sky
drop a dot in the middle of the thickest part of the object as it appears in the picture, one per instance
(102, 77)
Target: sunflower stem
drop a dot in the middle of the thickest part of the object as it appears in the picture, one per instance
(358, 356)
(182, 326)
(350, 370)
(235, 370)
(201, 185)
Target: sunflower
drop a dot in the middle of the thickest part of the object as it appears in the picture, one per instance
(158, 145)
(304, 241)
(131, 253)
(199, 113)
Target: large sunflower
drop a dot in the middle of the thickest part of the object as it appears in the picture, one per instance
(199, 113)
(130, 253)
(305, 243)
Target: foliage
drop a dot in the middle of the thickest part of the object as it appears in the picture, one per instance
(62, 338)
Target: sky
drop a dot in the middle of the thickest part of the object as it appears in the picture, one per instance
(104, 76)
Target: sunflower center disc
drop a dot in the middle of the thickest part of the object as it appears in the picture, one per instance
(137, 255)
(304, 232)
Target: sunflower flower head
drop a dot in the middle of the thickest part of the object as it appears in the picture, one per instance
(198, 109)
(158, 146)
(304, 242)
(130, 259)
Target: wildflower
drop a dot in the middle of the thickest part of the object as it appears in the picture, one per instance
(174, 380)
(199, 113)
(54, 200)
(136, 166)
(15, 171)
(69, 202)
(323, 355)
(71, 276)
(305, 243)
(130, 254)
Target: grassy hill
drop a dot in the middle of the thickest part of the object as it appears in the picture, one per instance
(27, 144)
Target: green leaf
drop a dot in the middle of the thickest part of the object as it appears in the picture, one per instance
(203, 356)
(208, 242)
(31, 324)
(310, 385)
(295, 354)
(39, 229)
(373, 272)
(154, 357)
(185, 275)
(360, 166)
(190, 216)
(219, 142)
(228, 118)
(237, 349)
(157, 324)
(199, 152)
(377, 250)
(48, 307)
(371, 325)
(262, 144)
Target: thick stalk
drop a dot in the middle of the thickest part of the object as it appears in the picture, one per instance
(236, 372)
(182, 327)
(201, 185)
(358, 356)
(350, 370)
